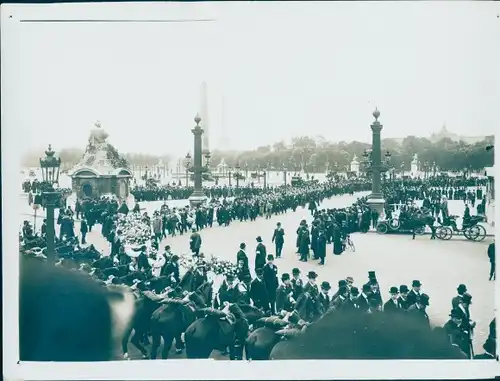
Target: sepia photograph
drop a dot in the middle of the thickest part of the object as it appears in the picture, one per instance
(242, 183)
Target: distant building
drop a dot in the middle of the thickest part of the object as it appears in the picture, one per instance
(445, 133)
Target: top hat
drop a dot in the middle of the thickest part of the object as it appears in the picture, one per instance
(403, 288)
(259, 239)
(393, 290)
(325, 285)
(373, 282)
(312, 275)
(424, 299)
(354, 291)
(462, 288)
(259, 271)
(371, 274)
(416, 283)
(285, 276)
(295, 270)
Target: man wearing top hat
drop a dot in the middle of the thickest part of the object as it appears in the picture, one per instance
(297, 283)
(414, 294)
(375, 292)
(278, 239)
(260, 254)
(392, 305)
(418, 312)
(455, 332)
(324, 298)
(371, 277)
(403, 297)
(270, 275)
(461, 290)
(258, 292)
(284, 295)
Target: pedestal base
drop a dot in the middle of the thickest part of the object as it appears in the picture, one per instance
(377, 204)
(197, 198)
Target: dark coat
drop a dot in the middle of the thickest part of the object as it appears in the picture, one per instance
(362, 303)
(403, 303)
(260, 255)
(278, 236)
(242, 256)
(419, 315)
(412, 297)
(298, 287)
(226, 294)
(324, 302)
(271, 279)
(258, 294)
(283, 302)
(391, 307)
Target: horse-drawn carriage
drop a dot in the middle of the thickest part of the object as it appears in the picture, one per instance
(471, 229)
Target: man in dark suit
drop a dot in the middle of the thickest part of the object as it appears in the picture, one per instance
(375, 293)
(414, 294)
(84, 230)
(342, 296)
(284, 294)
(461, 290)
(258, 292)
(392, 305)
(228, 292)
(278, 239)
(491, 256)
(456, 334)
(324, 298)
(242, 255)
(350, 304)
(260, 254)
(270, 275)
(417, 311)
(403, 297)
(297, 283)
(362, 300)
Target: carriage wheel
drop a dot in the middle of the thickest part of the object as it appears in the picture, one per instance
(476, 233)
(444, 233)
(382, 228)
(420, 230)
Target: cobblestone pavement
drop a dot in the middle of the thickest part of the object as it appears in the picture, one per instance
(397, 259)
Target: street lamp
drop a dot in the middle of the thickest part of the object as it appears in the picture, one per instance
(187, 165)
(387, 163)
(229, 175)
(237, 174)
(50, 174)
(376, 199)
(198, 197)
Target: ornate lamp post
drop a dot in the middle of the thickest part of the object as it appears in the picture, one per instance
(376, 199)
(237, 174)
(402, 170)
(187, 165)
(50, 174)
(229, 174)
(387, 163)
(198, 197)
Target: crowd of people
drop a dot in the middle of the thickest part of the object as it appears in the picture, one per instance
(135, 259)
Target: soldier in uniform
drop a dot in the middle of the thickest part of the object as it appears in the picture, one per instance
(228, 292)
(414, 294)
(403, 297)
(392, 305)
(260, 254)
(258, 292)
(455, 332)
(461, 289)
(284, 295)
(417, 311)
(297, 283)
(324, 298)
(278, 239)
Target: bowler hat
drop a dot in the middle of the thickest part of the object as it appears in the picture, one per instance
(416, 283)
(259, 271)
(455, 313)
(229, 277)
(243, 245)
(342, 283)
(259, 239)
(366, 288)
(424, 299)
(342, 290)
(325, 285)
(354, 291)
(403, 288)
(393, 290)
(175, 257)
(285, 276)
(270, 257)
(462, 288)
(312, 275)
(295, 270)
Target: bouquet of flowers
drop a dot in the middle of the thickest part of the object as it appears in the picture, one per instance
(135, 231)
(221, 266)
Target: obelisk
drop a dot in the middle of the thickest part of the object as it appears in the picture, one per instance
(204, 117)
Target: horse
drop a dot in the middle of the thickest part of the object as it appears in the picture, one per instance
(420, 220)
(217, 330)
(171, 319)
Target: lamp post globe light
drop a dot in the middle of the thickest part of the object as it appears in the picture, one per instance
(198, 197)
(375, 199)
(187, 166)
(50, 166)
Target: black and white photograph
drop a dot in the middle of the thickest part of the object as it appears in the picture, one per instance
(241, 183)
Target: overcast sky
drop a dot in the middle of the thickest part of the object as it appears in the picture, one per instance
(283, 69)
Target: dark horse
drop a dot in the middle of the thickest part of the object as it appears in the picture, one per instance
(171, 319)
(419, 220)
(217, 330)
